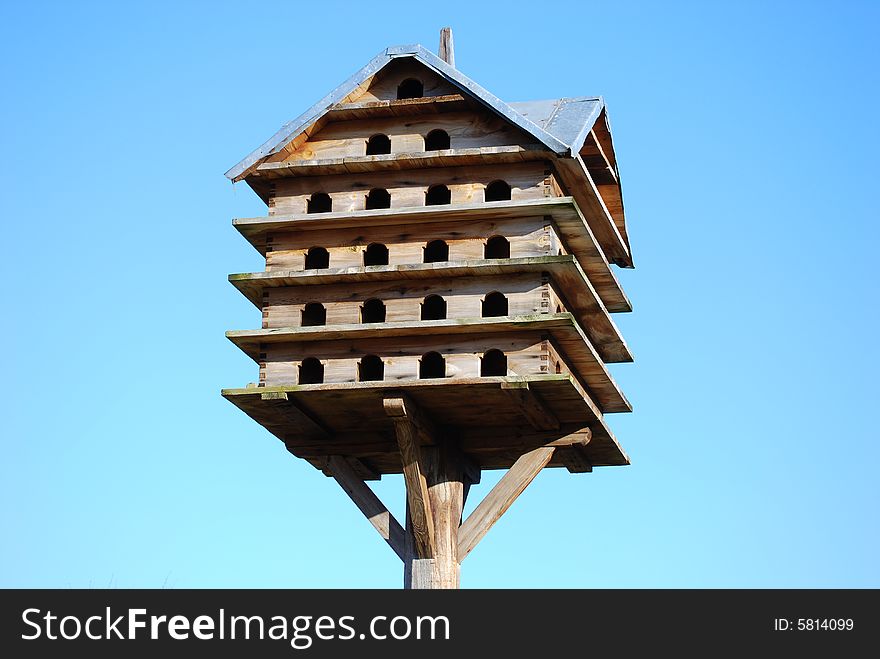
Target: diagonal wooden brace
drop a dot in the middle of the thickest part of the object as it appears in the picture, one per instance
(411, 429)
(368, 503)
(294, 415)
(502, 496)
(533, 408)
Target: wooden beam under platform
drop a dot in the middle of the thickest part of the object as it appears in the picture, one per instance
(534, 409)
(357, 426)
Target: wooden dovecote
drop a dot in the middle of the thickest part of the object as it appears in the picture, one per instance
(438, 295)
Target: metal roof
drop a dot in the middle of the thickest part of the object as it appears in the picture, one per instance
(568, 119)
(561, 125)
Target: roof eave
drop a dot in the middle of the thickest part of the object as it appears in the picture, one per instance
(578, 143)
(243, 168)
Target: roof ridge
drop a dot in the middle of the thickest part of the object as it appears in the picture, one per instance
(556, 105)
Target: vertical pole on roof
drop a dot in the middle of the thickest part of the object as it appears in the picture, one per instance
(447, 48)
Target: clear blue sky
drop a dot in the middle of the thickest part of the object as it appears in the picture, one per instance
(747, 137)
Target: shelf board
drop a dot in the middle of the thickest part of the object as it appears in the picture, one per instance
(563, 211)
(484, 155)
(581, 298)
(398, 107)
(576, 349)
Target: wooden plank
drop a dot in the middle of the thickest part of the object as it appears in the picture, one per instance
(407, 187)
(579, 354)
(294, 413)
(526, 237)
(397, 107)
(368, 503)
(357, 407)
(534, 409)
(597, 163)
(412, 160)
(384, 84)
(500, 498)
(577, 179)
(414, 476)
(353, 413)
(611, 193)
(256, 228)
(526, 294)
(564, 213)
(363, 469)
(571, 284)
(446, 51)
(602, 132)
(473, 129)
(471, 445)
(250, 341)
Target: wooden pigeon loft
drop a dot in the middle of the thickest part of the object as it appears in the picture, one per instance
(437, 295)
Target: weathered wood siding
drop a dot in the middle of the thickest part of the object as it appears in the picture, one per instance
(466, 241)
(527, 353)
(528, 180)
(526, 294)
(383, 86)
(466, 130)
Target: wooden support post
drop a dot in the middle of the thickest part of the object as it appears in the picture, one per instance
(501, 498)
(400, 410)
(368, 503)
(445, 479)
(446, 491)
(437, 476)
(434, 472)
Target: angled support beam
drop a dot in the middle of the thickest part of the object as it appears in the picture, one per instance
(580, 438)
(533, 408)
(409, 427)
(368, 503)
(361, 469)
(348, 443)
(501, 498)
(293, 413)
